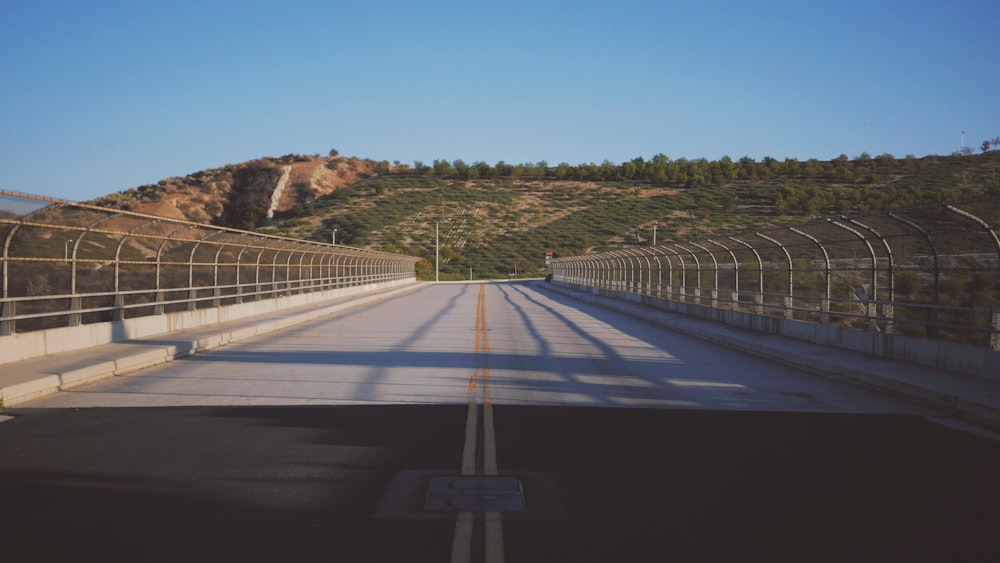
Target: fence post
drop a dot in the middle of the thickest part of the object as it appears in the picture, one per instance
(119, 311)
(995, 336)
(871, 310)
(6, 322)
(75, 304)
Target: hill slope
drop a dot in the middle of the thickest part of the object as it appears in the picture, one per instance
(244, 195)
(501, 219)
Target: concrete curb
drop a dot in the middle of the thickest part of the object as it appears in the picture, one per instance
(120, 360)
(970, 409)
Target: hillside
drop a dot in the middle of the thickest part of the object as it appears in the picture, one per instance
(501, 219)
(244, 195)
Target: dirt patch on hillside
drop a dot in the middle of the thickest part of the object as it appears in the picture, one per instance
(309, 181)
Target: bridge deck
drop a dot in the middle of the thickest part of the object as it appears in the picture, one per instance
(970, 398)
(494, 422)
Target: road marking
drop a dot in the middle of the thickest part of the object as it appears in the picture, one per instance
(461, 547)
(494, 538)
(469, 453)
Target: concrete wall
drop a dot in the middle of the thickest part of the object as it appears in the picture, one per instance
(18, 346)
(948, 356)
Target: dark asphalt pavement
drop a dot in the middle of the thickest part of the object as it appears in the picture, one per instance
(312, 483)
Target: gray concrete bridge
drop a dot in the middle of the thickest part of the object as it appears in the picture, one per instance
(521, 421)
(822, 392)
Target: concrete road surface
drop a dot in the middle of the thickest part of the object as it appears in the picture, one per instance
(544, 349)
(488, 422)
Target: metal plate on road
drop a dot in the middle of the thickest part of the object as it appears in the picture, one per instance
(475, 493)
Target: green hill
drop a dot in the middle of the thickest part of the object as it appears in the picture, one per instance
(501, 219)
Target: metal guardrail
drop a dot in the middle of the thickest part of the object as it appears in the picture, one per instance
(930, 271)
(65, 263)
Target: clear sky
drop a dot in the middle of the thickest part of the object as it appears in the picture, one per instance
(97, 96)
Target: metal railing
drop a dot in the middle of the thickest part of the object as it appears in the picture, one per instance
(929, 271)
(65, 263)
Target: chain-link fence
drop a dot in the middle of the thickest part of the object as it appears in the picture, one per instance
(65, 263)
(925, 271)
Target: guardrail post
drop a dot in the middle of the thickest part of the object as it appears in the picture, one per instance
(6, 322)
(889, 322)
(75, 319)
(118, 314)
(995, 337)
(871, 310)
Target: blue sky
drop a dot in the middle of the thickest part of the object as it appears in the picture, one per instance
(100, 96)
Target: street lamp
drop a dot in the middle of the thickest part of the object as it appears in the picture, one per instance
(335, 236)
(66, 250)
(655, 223)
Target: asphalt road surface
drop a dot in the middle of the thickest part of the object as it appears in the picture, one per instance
(488, 422)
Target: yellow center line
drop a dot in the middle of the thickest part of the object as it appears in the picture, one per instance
(461, 548)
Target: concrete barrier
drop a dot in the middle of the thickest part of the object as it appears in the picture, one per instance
(18, 346)
(948, 356)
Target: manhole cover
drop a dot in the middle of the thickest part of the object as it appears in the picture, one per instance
(475, 493)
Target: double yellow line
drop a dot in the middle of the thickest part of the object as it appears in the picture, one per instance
(461, 549)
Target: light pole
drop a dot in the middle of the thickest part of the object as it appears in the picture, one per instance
(437, 253)
(335, 236)
(655, 223)
(66, 250)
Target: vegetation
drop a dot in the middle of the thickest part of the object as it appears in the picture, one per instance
(501, 219)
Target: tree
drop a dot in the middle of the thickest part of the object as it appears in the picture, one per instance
(442, 168)
(334, 153)
(986, 146)
(503, 169)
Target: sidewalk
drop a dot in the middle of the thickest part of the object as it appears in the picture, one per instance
(973, 399)
(28, 379)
